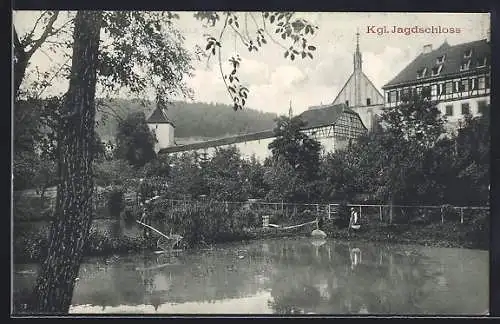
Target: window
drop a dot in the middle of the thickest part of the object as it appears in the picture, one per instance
(392, 96)
(481, 63)
(419, 90)
(440, 59)
(465, 66)
(487, 83)
(449, 88)
(434, 90)
(368, 101)
(465, 85)
(481, 82)
(436, 70)
(347, 103)
(404, 95)
(455, 86)
(473, 84)
(449, 110)
(421, 73)
(440, 89)
(426, 92)
(468, 53)
(465, 108)
(481, 106)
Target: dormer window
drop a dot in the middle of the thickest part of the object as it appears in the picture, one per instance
(465, 66)
(436, 70)
(468, 53)
(481, 63)
(421, 73)
(440, 59)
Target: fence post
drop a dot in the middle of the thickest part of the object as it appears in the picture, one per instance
(442, 215)
(380, 209)
(359, 220)
(329, 211)
(461, 215)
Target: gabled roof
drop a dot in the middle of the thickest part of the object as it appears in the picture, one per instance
(454, 58)
(324, 115)
(351, 79)
(159, 117)
(316, 117)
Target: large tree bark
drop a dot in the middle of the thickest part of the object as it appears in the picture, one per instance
(20, 63)
(73, 216)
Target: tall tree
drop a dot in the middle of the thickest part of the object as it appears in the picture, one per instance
(472, 160)
(410, 130)
(134, 140)
(55, 283)
(140, 51)
(296, 147)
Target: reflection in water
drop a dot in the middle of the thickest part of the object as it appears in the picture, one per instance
(283, 276)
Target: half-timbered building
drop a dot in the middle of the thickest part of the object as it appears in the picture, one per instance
(333, 126)
(456, 77)
(352, 113)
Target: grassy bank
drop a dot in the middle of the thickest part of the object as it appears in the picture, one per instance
(204, 224)
(32, 245)
(452, 235)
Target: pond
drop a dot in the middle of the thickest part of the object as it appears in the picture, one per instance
(283, 276)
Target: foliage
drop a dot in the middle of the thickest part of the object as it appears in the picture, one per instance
(200, 222)
(225, 175)
(284, 184)
(254, 185)
(185, 177)
(134, 140)
(113, 172)
(159, 167)
(410, 131)
(296, 147)
(115, 201)
(295, 31)
(192, 119)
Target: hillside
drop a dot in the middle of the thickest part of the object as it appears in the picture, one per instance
(192, 120)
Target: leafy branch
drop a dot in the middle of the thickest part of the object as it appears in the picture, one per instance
(295, 31)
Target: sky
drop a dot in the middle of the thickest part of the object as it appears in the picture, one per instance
(275, 83)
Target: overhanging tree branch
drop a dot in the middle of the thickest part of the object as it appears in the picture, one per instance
(36, 44)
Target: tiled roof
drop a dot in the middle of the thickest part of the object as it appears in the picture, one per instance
(316, 117)
(454, 58)
(219, 142)
(324, 115)
(159, 117)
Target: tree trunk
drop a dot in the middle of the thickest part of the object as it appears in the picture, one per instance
(73, 216)
(20, 66)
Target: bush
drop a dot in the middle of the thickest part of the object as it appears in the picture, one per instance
(115, 202)
(202, 222)
(130, 214)
(247, 218)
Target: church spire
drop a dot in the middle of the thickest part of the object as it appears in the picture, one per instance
(290, 111)
(358, 62)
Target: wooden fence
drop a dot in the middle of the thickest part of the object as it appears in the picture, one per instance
(367, 213)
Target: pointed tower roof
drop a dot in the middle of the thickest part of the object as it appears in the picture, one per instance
(358, 60)
(159, 116)
(356, 80)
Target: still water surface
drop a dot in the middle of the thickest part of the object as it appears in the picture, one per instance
(284, 276)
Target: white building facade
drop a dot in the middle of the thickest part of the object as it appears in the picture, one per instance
(456, 78)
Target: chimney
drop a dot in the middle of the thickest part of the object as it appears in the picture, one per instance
(427, 48)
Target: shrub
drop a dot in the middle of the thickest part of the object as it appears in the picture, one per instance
(115, 202)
